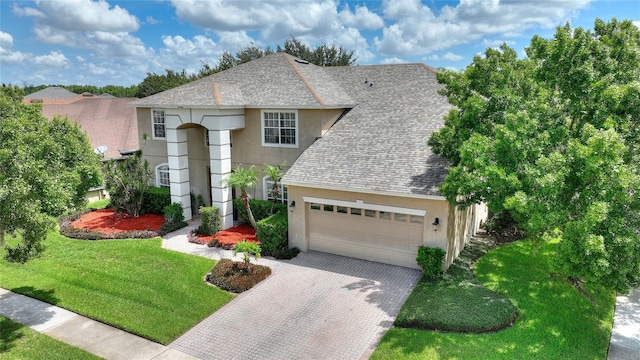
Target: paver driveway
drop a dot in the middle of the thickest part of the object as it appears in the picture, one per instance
(315, 306)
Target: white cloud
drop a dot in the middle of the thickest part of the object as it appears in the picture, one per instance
(81, 15)
(496, 43)
(448, 56)
(362, 18)
(393, 60)
(152, 21)
(7, 54)
(637, 24)
(415, 29)
(54, 59)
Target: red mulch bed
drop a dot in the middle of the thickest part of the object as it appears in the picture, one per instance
(228, 238)
(108, 222)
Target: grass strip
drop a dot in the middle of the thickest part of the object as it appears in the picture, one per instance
(555, 321)
(18, 342)
(134, 285)
(457, 301)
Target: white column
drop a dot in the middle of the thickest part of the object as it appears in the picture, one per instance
(220, 164)
(178, 156)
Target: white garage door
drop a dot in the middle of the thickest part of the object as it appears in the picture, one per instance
(387, 237)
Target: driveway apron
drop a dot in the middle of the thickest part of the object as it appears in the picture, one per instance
(315, 306)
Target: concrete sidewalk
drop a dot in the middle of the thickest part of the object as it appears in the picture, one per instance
(95, 337)
(625, 337)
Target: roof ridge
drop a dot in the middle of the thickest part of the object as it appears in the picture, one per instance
(216, 94)
(304, 79)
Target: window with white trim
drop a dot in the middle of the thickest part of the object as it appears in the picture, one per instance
(162, 176)
(158, 124)
(268, 191)
(280, 128)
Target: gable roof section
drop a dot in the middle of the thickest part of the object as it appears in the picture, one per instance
(52, 92)
(276, 80)
(380, 146)
(106, 121)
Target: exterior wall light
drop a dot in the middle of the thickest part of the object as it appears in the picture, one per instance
(292, 205)
(436, 222)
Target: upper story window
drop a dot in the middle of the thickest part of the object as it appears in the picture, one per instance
(162, 176)
(280, 128)
(269, 193)
(158, 124)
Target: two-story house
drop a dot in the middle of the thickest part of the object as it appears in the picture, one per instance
(361, 180)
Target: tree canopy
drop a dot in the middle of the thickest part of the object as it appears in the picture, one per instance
(322, 55)
(554, 139)
(46, 167)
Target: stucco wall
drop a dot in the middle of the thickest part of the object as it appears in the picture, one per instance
(434, 236)
(463, 223)
(246, 147)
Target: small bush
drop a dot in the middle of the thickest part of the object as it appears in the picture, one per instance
(430, 260)
(155, 199)
(173, 214)
(272, 233)
(209, 220)
(233, 275)
(286, 254)
(171, 227)
(261, 209)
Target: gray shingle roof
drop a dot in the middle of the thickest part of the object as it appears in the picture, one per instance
(380, 146)
(52, 92)
(274, 80)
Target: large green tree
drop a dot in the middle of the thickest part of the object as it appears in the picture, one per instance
(554, 139)
(46, 167)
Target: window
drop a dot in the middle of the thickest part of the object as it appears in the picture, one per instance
(207, 143)
(162, 176)
(268, 191)
(400, 217)
(355, 211)
(370, 213)
(416, 219)
(280, 128)
(341, 209)
(158, 124)
(315, 206)
(328, 208)
(385, 215)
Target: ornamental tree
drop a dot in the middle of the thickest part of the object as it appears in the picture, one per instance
(244, 178)
(554, 139)
(46, 168)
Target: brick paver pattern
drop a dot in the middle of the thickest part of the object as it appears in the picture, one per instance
(315, 306)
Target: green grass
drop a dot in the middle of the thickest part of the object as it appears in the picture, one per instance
(555, 321)
(18, 342)
(134, 285)
(457, 301)
(98, 204)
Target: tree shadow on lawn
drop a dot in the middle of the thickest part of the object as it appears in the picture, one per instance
(21, 314)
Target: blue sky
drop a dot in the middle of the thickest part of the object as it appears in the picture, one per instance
(102, 42)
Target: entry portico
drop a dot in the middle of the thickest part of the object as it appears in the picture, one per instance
(218, 123)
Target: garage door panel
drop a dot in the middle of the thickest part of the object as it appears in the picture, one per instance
(382, 240)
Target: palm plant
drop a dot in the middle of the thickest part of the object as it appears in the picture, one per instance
(275, 173)
(243, 179)
(247, 249)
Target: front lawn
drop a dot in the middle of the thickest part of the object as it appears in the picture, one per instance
(554, 322)
(134, 285)
(18, 342)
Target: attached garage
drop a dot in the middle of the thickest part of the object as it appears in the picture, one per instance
(378, 233)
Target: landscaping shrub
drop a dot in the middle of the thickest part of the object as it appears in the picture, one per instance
(272, 233)
(233, 276)
(430, 260)
(155, 199)
(173, 213)
(261, 208)
(209, 220)
(171, 227)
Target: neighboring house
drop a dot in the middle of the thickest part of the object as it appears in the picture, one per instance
(108, 122)
(362, 180)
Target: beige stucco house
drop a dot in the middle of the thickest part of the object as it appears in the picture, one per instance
(360, 179)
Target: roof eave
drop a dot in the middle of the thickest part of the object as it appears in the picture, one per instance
(371, 192)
